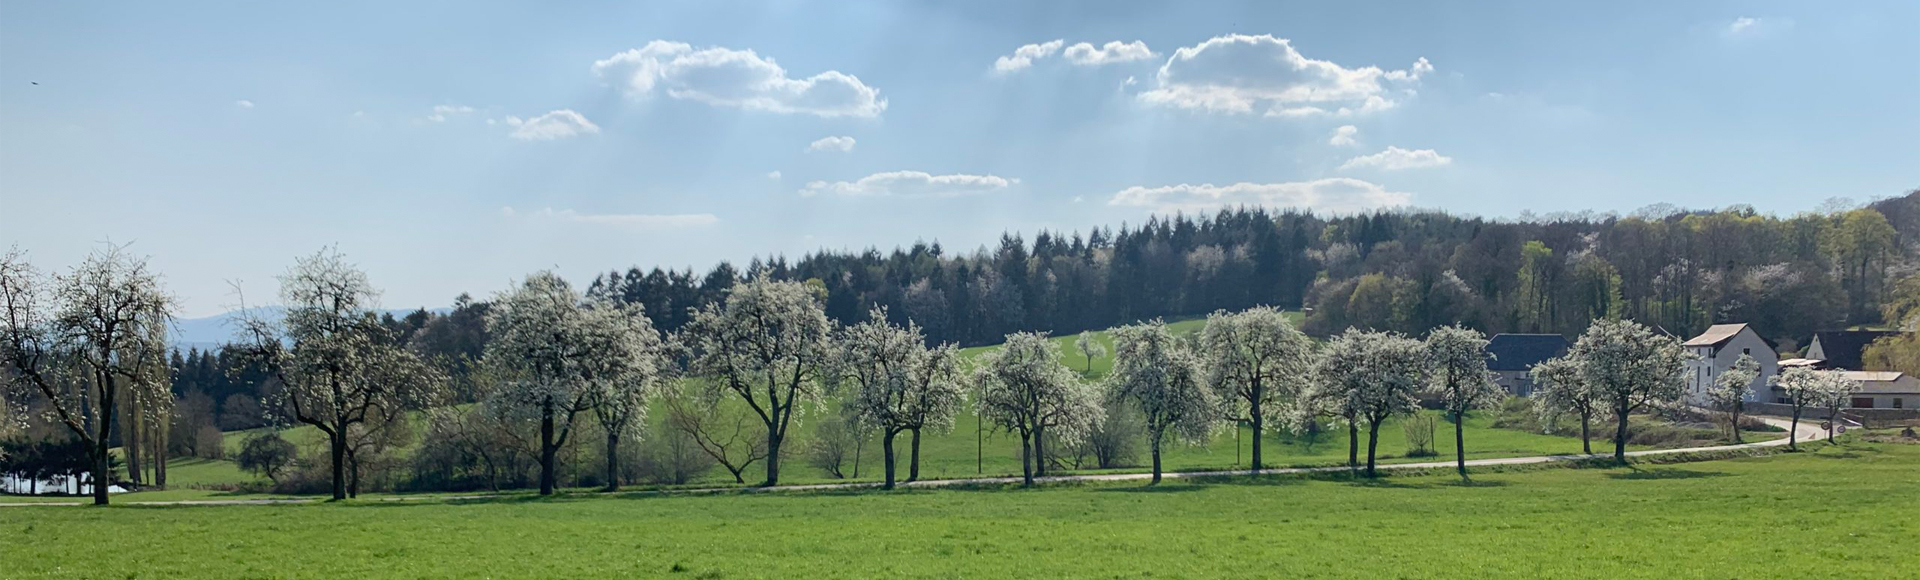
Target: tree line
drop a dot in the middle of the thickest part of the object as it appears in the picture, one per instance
(509, 381)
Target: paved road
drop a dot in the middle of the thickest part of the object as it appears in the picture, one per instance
(1808, 432)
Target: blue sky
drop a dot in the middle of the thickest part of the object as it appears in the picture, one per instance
(451, 147)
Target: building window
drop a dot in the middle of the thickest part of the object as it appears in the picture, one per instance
(1863, 402)
(1897, 403)
(1746, 351)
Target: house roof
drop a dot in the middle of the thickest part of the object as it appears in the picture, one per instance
(1519, 352)
(1800, 362)
(1884, 382)
(1843, 347)
(1716, 335)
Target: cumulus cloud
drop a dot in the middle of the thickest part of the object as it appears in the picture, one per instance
(614, 219)
(1338, 194)
(1086, 54)
(1081, 54)
(774, 175)
(243, 103)
(911, 184)
(736, 78)
(1240, 73)
(561, 124)
(1395, 159)
(839, 143)
(1024, 56)
(440, 113)
(1344, 136)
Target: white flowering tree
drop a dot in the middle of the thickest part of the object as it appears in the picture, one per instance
(1802, 387)
(338, 368)
(1090, 347)
(1376, 375)
(558, 355)
(1457, 363)
(1630, 368)
(1730, 391)
(1835, 393)
(628, 365)
(898, 384)
(768, 344)
(80, 342)
(1024, 389)
(1563, 389)
(1255, 361)
(1162, 378)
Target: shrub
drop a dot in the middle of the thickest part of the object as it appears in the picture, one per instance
(1419, 428)
(267, 455)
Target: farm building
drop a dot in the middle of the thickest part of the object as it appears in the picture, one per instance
(1885, 390)
(1841, 349)
(1515, 354)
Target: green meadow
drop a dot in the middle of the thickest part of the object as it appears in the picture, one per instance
(1836, 511)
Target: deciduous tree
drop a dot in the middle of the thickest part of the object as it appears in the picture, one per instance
(1801, 386)
(1630, 368)
(1730, 391)
(336, 366)
(1161, 377)
(1563, 388)
(1376, 376)
(76, 341)
(767, 344)
(1024, 389)
(1255, 360)
(1457, 358)
(898, 384)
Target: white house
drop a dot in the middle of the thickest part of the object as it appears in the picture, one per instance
(1718, 348)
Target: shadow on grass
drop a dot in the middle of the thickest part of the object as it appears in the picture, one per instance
(1185, 487)
(1637, 473)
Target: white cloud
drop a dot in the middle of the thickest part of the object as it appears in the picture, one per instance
(441, 112)
(1086, 54)
(560, 124)
(1344, 136)
(774, 175)
(1024, 56)
(911, 183)
(243, 103)
(1395, 159)
(1338, 194)
(839, 143)
(1081, 54)
(1238, 73)
(614, 219)
(736, 78)
(1750, 27)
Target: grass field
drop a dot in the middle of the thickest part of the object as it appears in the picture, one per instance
(1838, 511)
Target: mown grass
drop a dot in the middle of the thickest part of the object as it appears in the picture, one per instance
(1839, 511)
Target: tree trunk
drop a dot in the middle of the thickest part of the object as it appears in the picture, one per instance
(773, 459)
(1586, 441)
(1736, 425)
(548, 476)
(886, 449)
(1620, 438)
(1353, 444)
(160, 455)
(102, 474)
(338, 441)
(1258, 423)
(1460, 443)
(1040, 451)
(1026, 459)
(913, 464)
(613, 460)
(353, 475)
(1156, 462)
(1373, 442)
(1793, 433)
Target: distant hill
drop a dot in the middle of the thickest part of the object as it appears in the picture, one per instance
(212, 331)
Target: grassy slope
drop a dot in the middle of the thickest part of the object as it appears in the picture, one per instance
(1840, 511)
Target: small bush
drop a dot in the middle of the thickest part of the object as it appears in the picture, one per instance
(1419, 428)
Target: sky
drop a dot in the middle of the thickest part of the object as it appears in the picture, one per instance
(450, 147)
